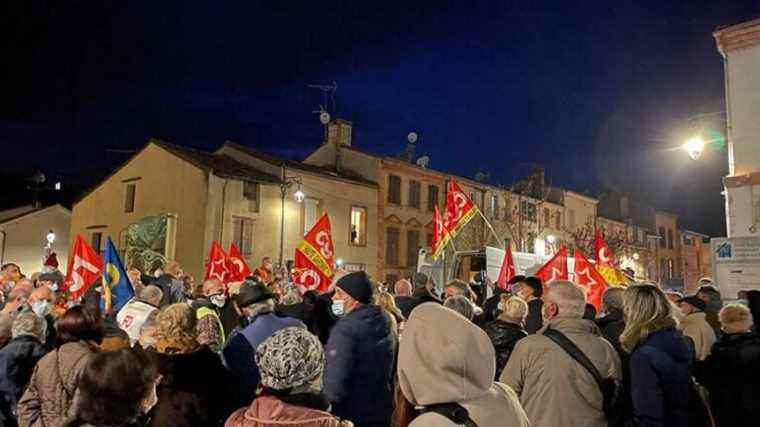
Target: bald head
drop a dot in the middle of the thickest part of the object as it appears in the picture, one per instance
(403, 288)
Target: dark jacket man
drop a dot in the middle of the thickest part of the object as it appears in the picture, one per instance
(503, 336)
(17, 360)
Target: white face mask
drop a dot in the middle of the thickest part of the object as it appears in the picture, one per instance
(41, 308)
(218, 300)
(54, 287)
(338, 307)
(500, 306)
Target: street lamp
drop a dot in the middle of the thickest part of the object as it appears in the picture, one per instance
(694, 146)
(299, 196)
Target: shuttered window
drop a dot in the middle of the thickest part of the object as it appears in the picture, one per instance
(412, 247)
(391, 246)
(394, 189)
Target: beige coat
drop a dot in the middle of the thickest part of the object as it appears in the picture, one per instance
(554, 389)
(47, 400)
(695, 326)
(445, 358)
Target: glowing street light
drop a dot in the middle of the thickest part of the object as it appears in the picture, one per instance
(551, 239)
(694, 146)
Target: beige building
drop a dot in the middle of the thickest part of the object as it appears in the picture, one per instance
(695, 258)
(24, 232)
(234, 195)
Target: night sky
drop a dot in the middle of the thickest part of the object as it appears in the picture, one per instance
(597, 91)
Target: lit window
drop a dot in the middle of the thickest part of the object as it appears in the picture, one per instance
(358, 235)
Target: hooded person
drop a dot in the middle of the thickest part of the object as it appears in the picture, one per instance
(291, 363)
(453, 365)
(360, 355)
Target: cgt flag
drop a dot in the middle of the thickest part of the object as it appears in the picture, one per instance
(238, 268)
(507, 270)
(441, 235)
(83, 270)
(587, 277)
(555, 268)
(315, 258)
(606, 264)
(117, 290)
(459, 209)
(217, 266)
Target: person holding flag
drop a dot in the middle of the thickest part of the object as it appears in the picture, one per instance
(117, 289)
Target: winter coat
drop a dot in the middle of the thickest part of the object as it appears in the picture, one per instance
(491, 306)
(660, 380)
(453, 364)
(554, 389)
(53, 385)
(695, 326)
(503, 336)
(535, 319)
(323, 320)
(269, 410)
(301, 311)
(360, 355)
(406, 304)
(173, 289)
(17, 360)
(239, 353)
(731, 374)
(612, 326)
(196, 390)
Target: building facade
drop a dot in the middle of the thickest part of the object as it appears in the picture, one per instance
(694, 264)
(24, 232)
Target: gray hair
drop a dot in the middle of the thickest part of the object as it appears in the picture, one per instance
(515, 309)
(29, 324)
(612, 300)
(461, 305)
(151, 293)
(569, 297)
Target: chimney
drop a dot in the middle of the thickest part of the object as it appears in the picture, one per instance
(625, 211)
(339, 135)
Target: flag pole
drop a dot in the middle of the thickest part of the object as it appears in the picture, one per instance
(498, 240)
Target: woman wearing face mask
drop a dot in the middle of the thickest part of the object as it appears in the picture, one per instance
(507, 329)
(126, 374)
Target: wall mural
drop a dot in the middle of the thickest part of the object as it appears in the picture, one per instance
(145, 243)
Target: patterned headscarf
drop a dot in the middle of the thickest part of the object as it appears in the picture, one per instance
(290, 358)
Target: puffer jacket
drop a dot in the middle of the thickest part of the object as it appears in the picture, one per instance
(554, 389)
(17, 360)
(455, 364)
(700, 332)
(731, 374)
(503, 336)
(47, 400)
(359, 373)
(269, 410)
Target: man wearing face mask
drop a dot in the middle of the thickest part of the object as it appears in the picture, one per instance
(360, 353)
(256, 305)
(211, 331)
(41, 301)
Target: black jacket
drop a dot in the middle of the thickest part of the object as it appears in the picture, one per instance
(491, 306)
(535, 319)
(611, 326)
(302, 311)
(17, 361)
(359, 374)
(731, 374)
(504, 336)
(406, 304)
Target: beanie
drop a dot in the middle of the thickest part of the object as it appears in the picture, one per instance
(52, 260)
(357, 285)
(291, 357)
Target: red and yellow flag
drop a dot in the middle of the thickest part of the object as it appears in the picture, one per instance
(459, 209)
(441, 235)
(606, 264)
(315, 258)
(589, 278)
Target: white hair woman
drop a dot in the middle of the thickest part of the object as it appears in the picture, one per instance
(507, 329)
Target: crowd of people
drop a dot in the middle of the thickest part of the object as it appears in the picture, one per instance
(363, 353)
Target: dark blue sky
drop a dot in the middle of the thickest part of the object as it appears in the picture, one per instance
(597, 91)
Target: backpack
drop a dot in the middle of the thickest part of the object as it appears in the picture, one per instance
(455, 412)
(606, 385)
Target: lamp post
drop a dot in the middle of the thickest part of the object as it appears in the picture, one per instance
(50, 237)
(298, 196)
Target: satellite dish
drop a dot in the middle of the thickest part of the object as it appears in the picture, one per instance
(423, 161)
(324, 117)
(412, 137)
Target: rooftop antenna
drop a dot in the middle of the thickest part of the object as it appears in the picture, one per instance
(328, 100)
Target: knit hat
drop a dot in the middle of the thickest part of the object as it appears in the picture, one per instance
(357, 285)
(52, 260)
(252, 292)
(694, 301)
(290, 358)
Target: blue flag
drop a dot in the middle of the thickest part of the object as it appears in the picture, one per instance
(117, 289)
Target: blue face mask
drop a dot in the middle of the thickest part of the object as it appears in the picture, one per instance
(338, 307)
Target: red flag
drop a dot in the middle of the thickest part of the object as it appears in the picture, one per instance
(217, 266)
(604, 255)
(85, 266)
(555, 268)
(590, 279)
(459, 209)
(507, 270)
(440, 234)
(238, 268)
(315, 258)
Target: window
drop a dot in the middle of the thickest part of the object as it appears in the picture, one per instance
(394, 189)
(96, 240)
(671, 270)
(558, 219)
(412, 247)
(312, 209)
(358, 235)
(661, 231)
(414, 194)
(391, 246)
(495, 206)
(432, 197)
(129, 199)
(670, 239)
(242, 234)
(528, 210)
(251, 194)
(571, 219)
(547, 220)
